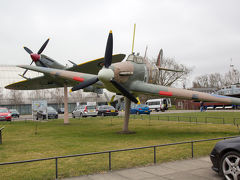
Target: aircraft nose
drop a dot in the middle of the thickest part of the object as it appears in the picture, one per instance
(105, 74)
(35, 57)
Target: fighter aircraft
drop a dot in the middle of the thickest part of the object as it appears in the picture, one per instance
(45, 82)
(130, 78)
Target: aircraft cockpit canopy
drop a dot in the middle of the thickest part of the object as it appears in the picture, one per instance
(136, 59)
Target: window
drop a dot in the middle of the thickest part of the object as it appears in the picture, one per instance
(130, 57)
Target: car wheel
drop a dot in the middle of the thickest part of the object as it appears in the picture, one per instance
(229, 166)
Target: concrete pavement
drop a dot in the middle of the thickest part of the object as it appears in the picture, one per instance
(192, 169)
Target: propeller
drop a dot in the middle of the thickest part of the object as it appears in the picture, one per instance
(36, 57)
(106, 74)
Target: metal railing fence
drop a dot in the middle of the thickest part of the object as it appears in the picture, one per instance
(115, 151)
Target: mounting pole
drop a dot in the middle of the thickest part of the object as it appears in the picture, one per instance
(133, 37)
(66, 119)
(126, 116)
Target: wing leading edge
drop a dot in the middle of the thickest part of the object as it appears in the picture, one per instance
(56, 76)
(94, 66)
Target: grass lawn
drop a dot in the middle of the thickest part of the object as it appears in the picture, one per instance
(53, 138)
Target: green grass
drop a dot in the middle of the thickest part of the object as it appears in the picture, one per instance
(53, 138)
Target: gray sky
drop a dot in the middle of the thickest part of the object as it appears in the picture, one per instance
(204, 34)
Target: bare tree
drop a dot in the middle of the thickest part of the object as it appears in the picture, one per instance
(58, 95)
(232, 77)
(216, 80)
(16, 97)
(170, 78)
(1, 93)
(77, 96)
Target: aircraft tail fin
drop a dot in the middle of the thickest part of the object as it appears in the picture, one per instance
(159, 59)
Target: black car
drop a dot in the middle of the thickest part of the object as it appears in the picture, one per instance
(106, 110)
(61, 110)
(14, 113)
(225, 158)
(52, 113)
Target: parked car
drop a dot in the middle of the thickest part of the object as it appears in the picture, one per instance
(61, 110)
(106, 110)
(51, 112)
(84, 111)
(14, 113)
(225, 158)
(159, 104)
(140, 109)
(5, 114)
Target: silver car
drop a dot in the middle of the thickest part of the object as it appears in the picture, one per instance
(84, 111)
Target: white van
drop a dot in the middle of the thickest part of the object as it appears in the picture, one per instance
(159, 104)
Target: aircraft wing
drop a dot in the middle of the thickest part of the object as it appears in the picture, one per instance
(94, 66)
(139, 87)
(41, 82)
(53, 78)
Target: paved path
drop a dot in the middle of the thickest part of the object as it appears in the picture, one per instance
(193, 169)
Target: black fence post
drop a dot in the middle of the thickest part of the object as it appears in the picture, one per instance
(154, 151)
(1, 129)
(192, 149)
(109, 161)
(0, 136)
(56, 161)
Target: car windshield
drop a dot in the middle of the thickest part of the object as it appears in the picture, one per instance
(107, 107)
(91, 107)
(143, 106)
(3, 110)
(50, 109)
(13, 110)
(111, 107)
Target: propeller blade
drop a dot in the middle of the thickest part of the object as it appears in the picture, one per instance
(85, 84)
(43, 46)
(124, 91)
(108, 51)
(28, 50)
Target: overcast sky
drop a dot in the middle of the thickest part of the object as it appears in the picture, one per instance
(204, 34)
